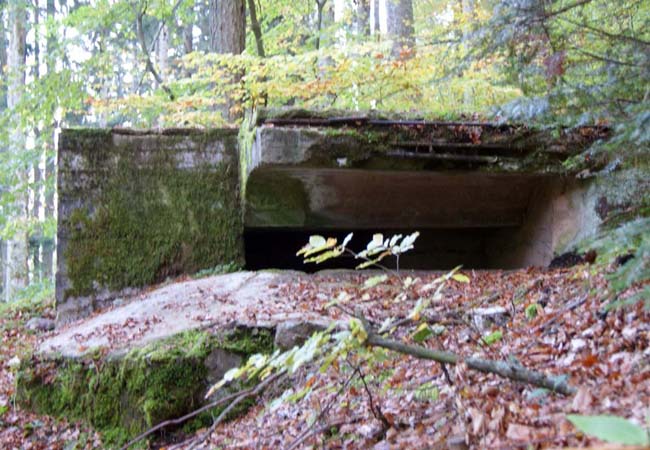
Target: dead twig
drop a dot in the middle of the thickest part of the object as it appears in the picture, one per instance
(252, 392)
(569, 307)
(316, 431)
(309, 431)
(374, 408)
(235, 397)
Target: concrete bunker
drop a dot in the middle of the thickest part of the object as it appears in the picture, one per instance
(487, 196)
(138, 207)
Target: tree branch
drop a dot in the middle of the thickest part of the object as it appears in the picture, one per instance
(236, 398)
(180, 420)
(255, 26)
(623, 37)
(510, 370)
(145, 51)
(606, 59)
(253, 392)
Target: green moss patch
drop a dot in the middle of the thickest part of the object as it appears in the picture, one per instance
(122, 396)
(152, 220)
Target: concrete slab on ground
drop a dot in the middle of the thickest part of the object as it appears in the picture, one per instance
(234, 299)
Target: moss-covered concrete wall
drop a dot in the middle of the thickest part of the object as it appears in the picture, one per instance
(137, 207)
(123, 394)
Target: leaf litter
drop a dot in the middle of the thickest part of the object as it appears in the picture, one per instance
(604, 353)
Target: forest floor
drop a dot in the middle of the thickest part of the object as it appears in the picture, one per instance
(549, 320)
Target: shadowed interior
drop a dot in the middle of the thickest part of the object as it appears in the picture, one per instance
(482, 221)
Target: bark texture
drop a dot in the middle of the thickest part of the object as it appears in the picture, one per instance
(227, 26)
(400, 26)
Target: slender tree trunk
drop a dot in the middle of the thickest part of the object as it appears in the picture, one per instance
(320, 18)
(187, 34)
(16, 270)
(39, 181)
(3, 56)
(400, 26)
(162, 53)
(50, 152)
(362, 18)
(204, 14)
(377, 20)
(255, 26)
(3, 105)
(188, 39)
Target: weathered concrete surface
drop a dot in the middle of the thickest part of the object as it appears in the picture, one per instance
(230, 300)
(483, 195)
(136, 207)
(154, 358)
(356, 199)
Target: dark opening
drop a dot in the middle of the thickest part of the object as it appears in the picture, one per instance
(522, 226)
(435, 249)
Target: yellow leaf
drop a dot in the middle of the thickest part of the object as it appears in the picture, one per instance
(460, 278)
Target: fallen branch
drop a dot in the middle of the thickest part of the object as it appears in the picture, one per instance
(235, 397)
(180, 420)
(570, 307)
(253, 392)
(510, 370)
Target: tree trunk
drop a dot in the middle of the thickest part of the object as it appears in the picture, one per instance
(377, 20)
(3, 57)
(362, 18)
(227, 26)
(188, 39)
(162, 51)
(205, 15)
(16, 269)
(400, 26)
(228, 36)
(257, 31)
(50, 154)
(3, 105)
(36, 192)
(324, 19)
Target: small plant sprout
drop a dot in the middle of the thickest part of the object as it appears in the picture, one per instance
(320, 249)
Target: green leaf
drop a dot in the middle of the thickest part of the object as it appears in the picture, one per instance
(3, 409)
(374, 281)
(460, 278)
(427, 392)
(612, 429)
(324, 256)
(493, 337)
(422, 333)
(531, 311)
